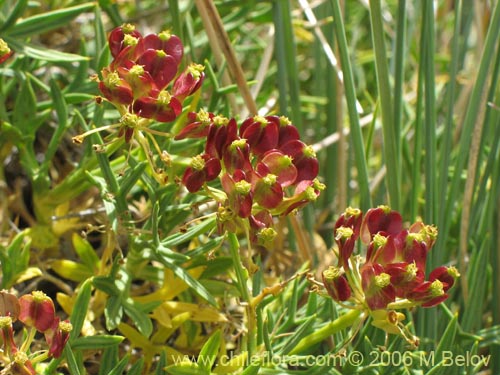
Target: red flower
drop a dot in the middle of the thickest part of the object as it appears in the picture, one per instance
(267, 190)
(346, 231)
(237, 156)
(9, 305)
(279, 164)
(261, 132)
(336, 284)
(57, 337)
(304, 159)
(287, 131)
(188, 82)
(203, 168)
(5, 51)
(404, 277)
(161, 67)
(166, 42)
(198, 125)
(429, 293)
(115, 88)
(122, 37)
(163, 107)
(7, 335)
(239, 192)
(380, 219)
(37, 310)
(220, 135)
(447, 275)
(376, 283)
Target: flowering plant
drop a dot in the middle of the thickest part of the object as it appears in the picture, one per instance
(36, 311)
(392, 275)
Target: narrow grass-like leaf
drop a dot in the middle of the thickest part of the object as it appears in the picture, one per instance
(120, 366)
(192, 232)
(299, 334)
(96, 342)
(430, 116)
(80, 308)
(14, 14)
(131, 177)
(342, 322)
(287, 53)
(47, 21)
(447, 340)
(137, 367)
(74, 368)
(85, 252)
(141, 320)
(350, 92)
(476, 277)
(61, 109)
(208, 352)
(466, 135)
(109, 359)
(391, 138)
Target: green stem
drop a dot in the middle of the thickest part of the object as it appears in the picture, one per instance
(242, 279)
(342, 322)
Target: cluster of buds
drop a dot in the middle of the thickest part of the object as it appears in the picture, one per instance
(5, 51)
(264, 168)
(392, 276)
(36, 311)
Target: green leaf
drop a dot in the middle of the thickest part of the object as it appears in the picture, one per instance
(136, 368)
(96, 342)
(14, 14)
(74, 369)
(80, 308)
(299, 334)
(40, 23)
(59, 104)
(120, 367)
(192, 282)
(42, 53)
(71, 270)
(85, 252)
(109, 359)
(113, 312)
(141, 320)
(447, 341)
(192, 232)
(106, 284)
(208, 352)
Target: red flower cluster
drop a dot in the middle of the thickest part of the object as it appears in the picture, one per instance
(35, 311)
(143, 67)
(393, 274)
(266, 169)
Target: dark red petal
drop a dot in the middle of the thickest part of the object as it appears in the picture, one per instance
(193, 180)
(262, 135)
(212, 169)
(380, 219)
(279, 164)
(268, 195)
(170, 44)
(186, 84)
(161, 67)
